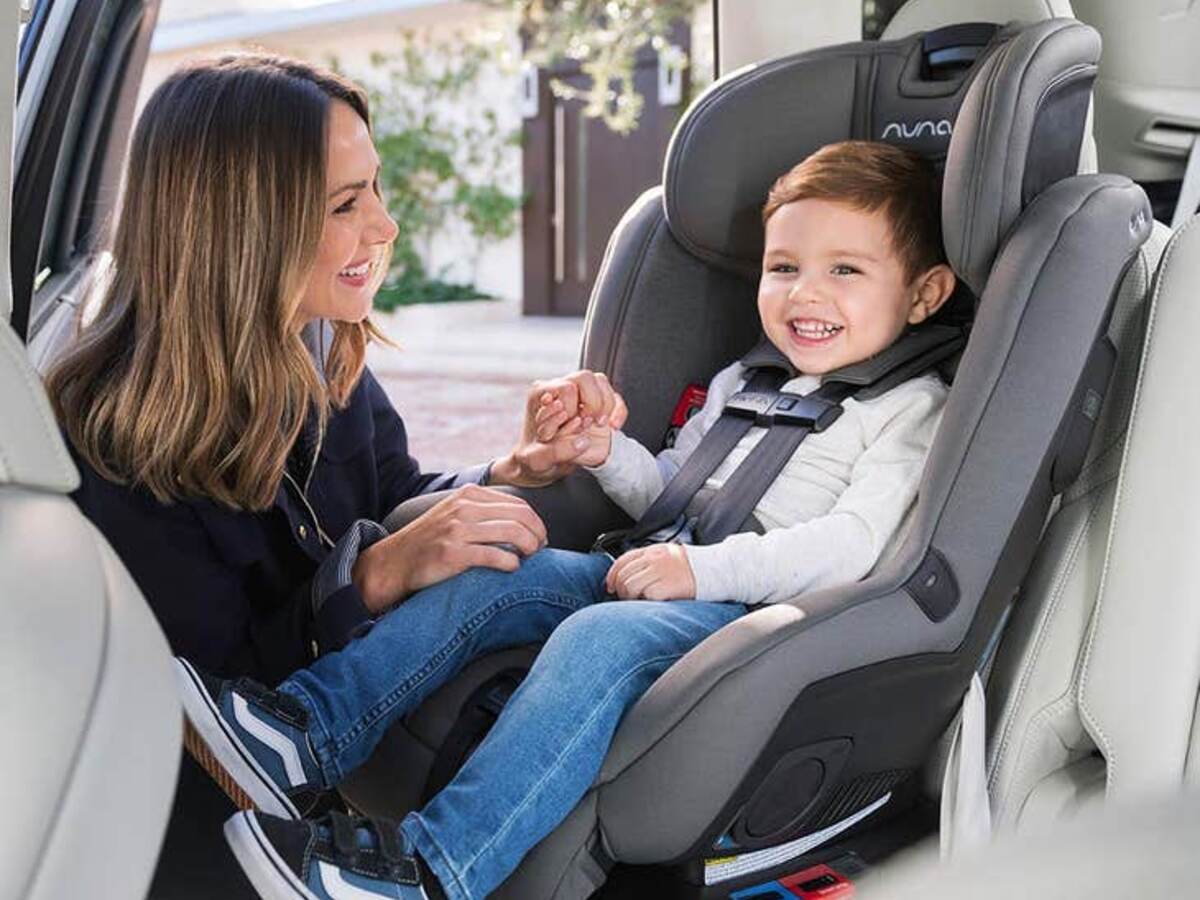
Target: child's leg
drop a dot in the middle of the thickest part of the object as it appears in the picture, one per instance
(354, 694)
(548, 745)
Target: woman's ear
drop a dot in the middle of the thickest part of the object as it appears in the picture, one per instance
(933, 288)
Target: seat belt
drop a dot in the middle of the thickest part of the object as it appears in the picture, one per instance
(793, 416)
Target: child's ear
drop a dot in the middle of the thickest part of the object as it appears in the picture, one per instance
(933, 288)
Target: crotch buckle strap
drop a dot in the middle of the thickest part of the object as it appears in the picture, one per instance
(767, 409)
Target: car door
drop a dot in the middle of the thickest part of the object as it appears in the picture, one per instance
(79, 66)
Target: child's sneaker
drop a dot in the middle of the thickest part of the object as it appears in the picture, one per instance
(252, 741)
(326, 859)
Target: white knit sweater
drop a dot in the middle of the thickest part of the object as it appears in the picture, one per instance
(830, 515)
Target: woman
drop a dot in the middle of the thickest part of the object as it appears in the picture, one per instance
(238, 480)
(232, 446)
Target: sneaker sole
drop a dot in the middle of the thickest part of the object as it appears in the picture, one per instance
(262, 865)
(221, 753)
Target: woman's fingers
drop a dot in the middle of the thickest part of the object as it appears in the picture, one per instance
(479, 504)
(549, 420)
(502, 531)
(489, 557)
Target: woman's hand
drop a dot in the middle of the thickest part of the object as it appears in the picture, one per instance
(474, 526)
(567, 424)
(657, 572)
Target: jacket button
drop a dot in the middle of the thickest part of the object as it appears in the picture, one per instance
(302, 530)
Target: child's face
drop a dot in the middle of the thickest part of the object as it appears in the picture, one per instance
(833, 290)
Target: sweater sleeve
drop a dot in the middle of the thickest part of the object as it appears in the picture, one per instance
(843, 545)
(632, 477)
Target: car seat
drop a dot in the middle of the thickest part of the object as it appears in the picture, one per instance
(802, 715)
(91, 721)
(1095, 697)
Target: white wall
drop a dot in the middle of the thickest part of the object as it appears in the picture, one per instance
(753, 31)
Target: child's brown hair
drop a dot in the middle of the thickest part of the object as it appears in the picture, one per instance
(872, 176)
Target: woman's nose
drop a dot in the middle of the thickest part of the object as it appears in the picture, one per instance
(383, 226)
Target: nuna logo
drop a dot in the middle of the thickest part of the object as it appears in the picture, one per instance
(910, 130)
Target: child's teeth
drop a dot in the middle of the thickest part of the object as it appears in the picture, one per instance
(356, 270)
(815, 329)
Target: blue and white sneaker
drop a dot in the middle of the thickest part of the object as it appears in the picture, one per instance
(331, 858)
(252, 741)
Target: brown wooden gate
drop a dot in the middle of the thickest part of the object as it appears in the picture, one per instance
(580, 178)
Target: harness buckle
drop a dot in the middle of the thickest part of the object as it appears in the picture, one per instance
(796, 410)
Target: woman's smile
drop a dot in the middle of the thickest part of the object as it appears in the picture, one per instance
(356, 275)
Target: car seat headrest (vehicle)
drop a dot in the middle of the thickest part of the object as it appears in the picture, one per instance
(1005, 121)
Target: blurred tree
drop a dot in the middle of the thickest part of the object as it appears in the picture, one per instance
(443, 160)
(604, 37)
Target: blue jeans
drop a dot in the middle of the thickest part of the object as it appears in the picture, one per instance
(356, 693)
(547, 746)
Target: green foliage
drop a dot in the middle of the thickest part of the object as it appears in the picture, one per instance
(443, 160)
(604, 37)
(414, 285)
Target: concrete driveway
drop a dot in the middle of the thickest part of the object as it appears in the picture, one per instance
(462, 372)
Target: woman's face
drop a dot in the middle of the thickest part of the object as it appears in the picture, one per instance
(358, 229)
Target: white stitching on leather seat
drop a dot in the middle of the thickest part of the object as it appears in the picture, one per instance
(1088, 715)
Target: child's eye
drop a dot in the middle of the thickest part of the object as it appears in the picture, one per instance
(345, 207)
(843, 269)
(784, 268)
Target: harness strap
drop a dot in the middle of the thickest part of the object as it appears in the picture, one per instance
(732, 505)
(668, 507)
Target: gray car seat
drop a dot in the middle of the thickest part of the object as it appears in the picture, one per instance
(803, 714)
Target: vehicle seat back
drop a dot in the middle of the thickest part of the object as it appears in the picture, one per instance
(1034, 727)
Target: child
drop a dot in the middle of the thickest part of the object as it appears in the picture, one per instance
(853, 256)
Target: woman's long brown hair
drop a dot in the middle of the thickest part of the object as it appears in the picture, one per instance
(192, 380)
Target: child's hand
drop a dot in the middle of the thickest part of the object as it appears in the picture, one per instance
(567, 424)
(584, 396)
(657, 572)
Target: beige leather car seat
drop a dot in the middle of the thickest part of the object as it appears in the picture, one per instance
(87, 702)
(1102, 705)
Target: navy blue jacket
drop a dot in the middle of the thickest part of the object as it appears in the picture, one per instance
(234, 591)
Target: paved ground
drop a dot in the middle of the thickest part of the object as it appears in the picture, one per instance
(460, 377)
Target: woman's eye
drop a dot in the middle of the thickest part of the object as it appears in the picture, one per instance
(345, 207)
(843, 269)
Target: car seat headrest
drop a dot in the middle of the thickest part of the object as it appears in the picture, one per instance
(1002, 110)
